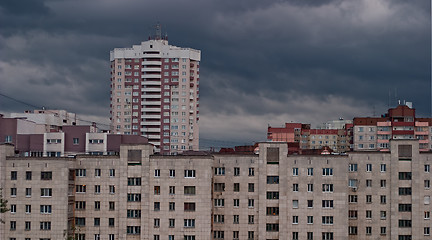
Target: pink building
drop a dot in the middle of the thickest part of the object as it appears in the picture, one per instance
(155, 93)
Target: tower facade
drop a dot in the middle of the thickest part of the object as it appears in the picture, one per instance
(155, 93)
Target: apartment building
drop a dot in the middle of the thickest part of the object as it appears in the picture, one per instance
(374, 133)
(39, 138)
(270, 195)
(155, 94)
(301, 137)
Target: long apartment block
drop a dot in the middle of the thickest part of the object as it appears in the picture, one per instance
(266, 196)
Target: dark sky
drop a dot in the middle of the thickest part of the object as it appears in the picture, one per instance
(262, 62)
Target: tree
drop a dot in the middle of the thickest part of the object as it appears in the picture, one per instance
(3, 205)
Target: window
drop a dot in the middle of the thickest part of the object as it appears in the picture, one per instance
(368, 183)
(27, 226)
(171, 206)
(45, 225)
(405, 207)
(383, 183)
(28, 192)
(272, 195)
(97, 189)
(219, 187)
(368, 198)
(404, 223)
(404, 191)
(236, 235)
(383, 199)
(80, 205)
(427, 215)
(309, 219)
(327, 187)
(172, 173)
(189, 206)
(28, 175)
(327, 203)
(133, 230)
(111, 206)
(236, 187)
(220, 171)
(426, 184)
(134, 181)
(46, 209)
(273, 227)
(368, 214)
(295, 171)
(383, 168)
(111, 222)
(171, 223)
(309, 235)
(236, 219)
(427, 168)
(251, 187)
(310, 187)
(97, 206)
(368, 167)
(80, 221)
(131, 213)
(97, 172)
(310, 203)
(251, 203)
(327, 172)
(14, 175)
(295, 203)
(383, 231)
(189, 237)
(272, 179)
(156, 222)
(327, 236)
(157, 172)
(327, 220)
(295, 219)
(216, 219)
(272, 211)
(310, 171)
(156, 190)
(134, 197)
(251, 172)
(80, 188)
(110, 236)
(46, 192)
(250, 235)
(12, 225)
(46, 175)
(218, 235)
(219, 202)
(426, 231)
(368, 230)
(27, 209)
(352, 167)
(189, 190)
(236, 202)
(352, 214)
(352, 198)
(111, 189)
(112, 172)
(405, 175)
(80, 172)
(295, 236)
(295, 187)
(250, 219)
(236, 171)
(352, 230)
(189, 173)
(352, 183)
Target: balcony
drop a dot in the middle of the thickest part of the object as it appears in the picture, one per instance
(151, 83)
(153, 136)
(152, 96)
(152, 55)
(155, 143)
(150, 130)
(150, 76)
(151, 116)
(146, 63)
(147, 109)
(151, 103)
(150, 69)
(150, 90)
(150, 123)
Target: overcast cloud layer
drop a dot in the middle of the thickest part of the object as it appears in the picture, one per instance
(263, 62)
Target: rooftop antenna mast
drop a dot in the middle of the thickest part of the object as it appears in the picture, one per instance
(158, 29)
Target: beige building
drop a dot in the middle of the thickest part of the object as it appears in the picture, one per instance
(270, 195)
